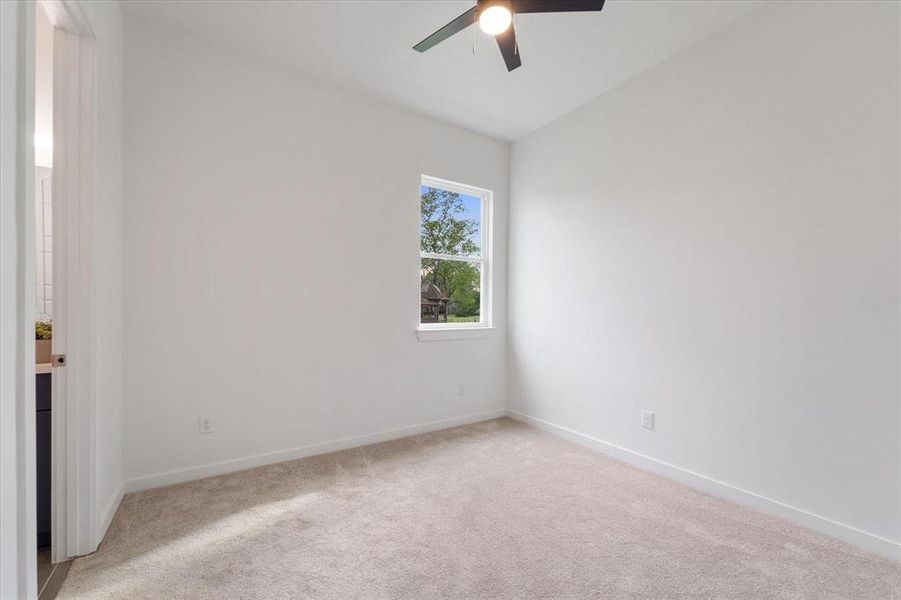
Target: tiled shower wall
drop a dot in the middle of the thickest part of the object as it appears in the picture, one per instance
(43, 296)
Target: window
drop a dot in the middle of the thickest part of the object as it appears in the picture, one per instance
(455, 251)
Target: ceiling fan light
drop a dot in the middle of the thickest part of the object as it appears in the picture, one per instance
(495, 19)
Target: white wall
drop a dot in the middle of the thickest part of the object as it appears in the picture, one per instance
(43, 89)
(272, 266)
(106, 21)
(43, 161)
(718, 241)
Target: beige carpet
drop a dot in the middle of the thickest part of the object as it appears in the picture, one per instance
(493, 510)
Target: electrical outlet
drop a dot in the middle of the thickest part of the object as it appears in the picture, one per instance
(647, 419)
(205, 425)
(461, 389)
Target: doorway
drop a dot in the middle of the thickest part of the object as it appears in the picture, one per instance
(64, 196)
(43, 295)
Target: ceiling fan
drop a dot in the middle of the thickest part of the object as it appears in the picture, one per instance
(495, 17)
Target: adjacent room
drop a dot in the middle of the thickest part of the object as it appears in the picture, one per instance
(453, 299)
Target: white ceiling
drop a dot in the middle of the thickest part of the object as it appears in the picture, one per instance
(366, 46)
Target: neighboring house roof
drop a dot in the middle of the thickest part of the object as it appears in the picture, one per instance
(430, 291)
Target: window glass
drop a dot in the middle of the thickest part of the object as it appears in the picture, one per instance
(450, 222)
(453, 242)
(450, 291)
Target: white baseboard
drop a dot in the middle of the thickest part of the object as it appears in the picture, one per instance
(863, 539)
(230, 466)
(109, 511)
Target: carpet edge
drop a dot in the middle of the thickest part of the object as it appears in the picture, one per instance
(192, 473)
(865, 540)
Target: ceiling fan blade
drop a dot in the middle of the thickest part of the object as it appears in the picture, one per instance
(507, 43)
(455, 26)
(547, 6)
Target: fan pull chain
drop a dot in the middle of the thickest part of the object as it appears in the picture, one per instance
(474, 37)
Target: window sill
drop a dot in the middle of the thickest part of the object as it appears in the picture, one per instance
(441, 334)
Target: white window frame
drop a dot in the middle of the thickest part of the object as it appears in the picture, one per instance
(484, 260)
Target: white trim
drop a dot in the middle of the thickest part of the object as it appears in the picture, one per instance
(240, 464)
(106, 517)
(439, 334)
(18, 543)
(484, 260)
(472, 259)
(863, 539)
(455, 186)
(68, 15)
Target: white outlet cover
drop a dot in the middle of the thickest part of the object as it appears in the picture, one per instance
(205, 425)
(647, 419)
(461, 389)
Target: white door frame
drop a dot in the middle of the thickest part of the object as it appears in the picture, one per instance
(18, 539)
(74, 193)
(74, 434)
